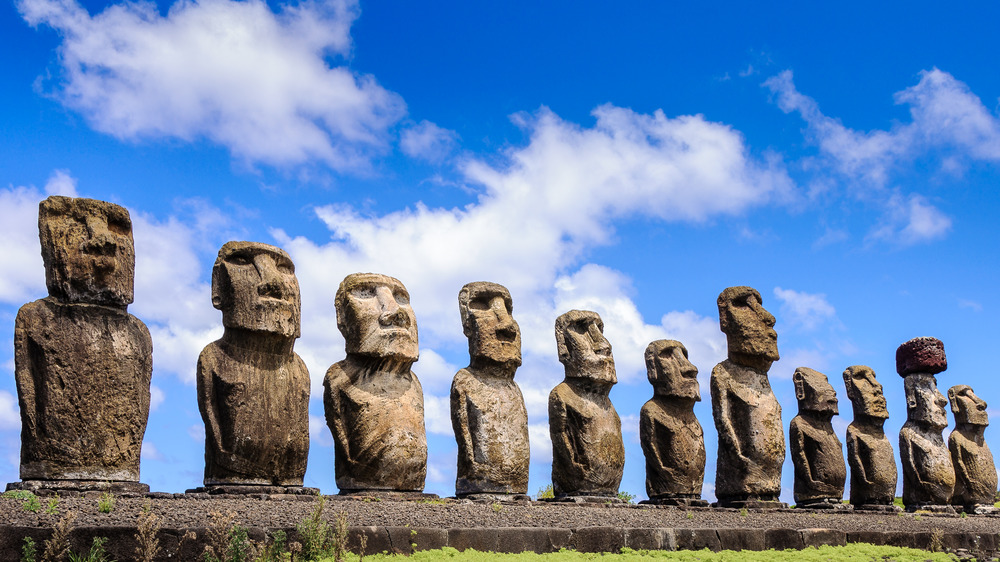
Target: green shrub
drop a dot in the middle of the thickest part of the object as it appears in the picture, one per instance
(106, 503)
(545, 492)
(96, 553)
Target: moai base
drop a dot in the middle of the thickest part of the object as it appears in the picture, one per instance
(820, 472)
(82, 363)
(671, 437)
(253, 390)
(928, 473)
(869, 452)
(374, 403)
(487, 407)
(747, 415)
(975, 471)
(588, 454)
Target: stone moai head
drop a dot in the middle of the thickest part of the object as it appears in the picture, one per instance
(748, 327)
(87, 250)
(865, 393)
(669, 370)
(487, 320)
(967, 407)
(254, 286)
(921, 355)
(924, 402)
(375, 317)
(583, 349)
(814, 392)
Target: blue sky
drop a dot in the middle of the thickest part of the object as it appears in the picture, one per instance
(635, 161)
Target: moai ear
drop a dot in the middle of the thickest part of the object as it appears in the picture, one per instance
(953, 398)
(217, 272)
(800, 385)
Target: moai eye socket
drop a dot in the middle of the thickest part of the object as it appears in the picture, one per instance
(480, 303)
(239, 258)
(402, 297)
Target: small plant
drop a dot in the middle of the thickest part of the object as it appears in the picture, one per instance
(17, 494)
(239, 547)
(963, 515)
(545, 492)
(106, 503)
(413, 540)
(29, 552)
(916, 517)
(96, 553)
(315, 533)
(625, 496)
(147, 528)
(218, 535)
(53, 507)
(57, 546)
(743, 512)
(937, 536)
(689, 515)
(275, 549)
(497, 507)
(32, 504)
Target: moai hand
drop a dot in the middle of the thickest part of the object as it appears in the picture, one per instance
(487, 408)
(588, 454)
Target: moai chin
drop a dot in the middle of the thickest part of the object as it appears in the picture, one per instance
(253, 389)
(820, 472)
(487, 408)
(374, 403)
(928, 473)
(869, 452)
(747, 414)
(588, 454)
(671, 437)
(975, 472)
(82, 363)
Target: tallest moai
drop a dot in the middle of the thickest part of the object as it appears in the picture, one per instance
(82, 362)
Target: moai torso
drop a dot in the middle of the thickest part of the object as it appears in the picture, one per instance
(671, 437)
(928, 473)
(747, 414)
(817, 456)
(253, 390)
(82, 363)
(588, 454)
(869, 452)
(374, 403)
(487, 408)
(975, 471)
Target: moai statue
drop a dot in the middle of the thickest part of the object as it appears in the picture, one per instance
(747, 415)
(820, 472)
(253, 390)
(487, 408)
(669, 432)
(83, 363)
(869, 452)
(975, 473)
(374, 404)
(588, 455)
(928, 474)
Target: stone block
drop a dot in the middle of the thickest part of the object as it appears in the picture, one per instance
(743, 539)
(476, 538)
(782, 539)
(820, 537)
(537, 539)
(697, 539)
(598, 539)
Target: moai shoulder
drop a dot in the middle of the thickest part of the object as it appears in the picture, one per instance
(82, 363)
(588, 454)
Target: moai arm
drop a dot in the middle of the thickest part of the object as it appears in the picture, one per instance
(22, 374)
(859, 451)
(649, 439)
(206, 400)
(723, 419)
(460, 419)
(333, 408)
(562, 444)
(957, 457)
(797, 440)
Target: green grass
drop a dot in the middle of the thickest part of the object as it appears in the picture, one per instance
(865, 552)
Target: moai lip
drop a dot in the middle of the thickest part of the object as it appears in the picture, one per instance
(487, 408)
(588, 454)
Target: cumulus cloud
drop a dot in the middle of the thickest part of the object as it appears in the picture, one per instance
(805, 310)
(10, 415)
(255, 81)
(427, 141)
(911, 219)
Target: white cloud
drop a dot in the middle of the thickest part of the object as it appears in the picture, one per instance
(61, 183)
(257, 82)
(910, 220)
(150, 452)
(22, 278)
(541, 442)
(427, 141)
(437, 415)
(806, 310)
(319, 432)
(156, 397)
(10, 415)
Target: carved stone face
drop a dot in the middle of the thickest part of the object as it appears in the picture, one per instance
(583, 349)
(814, 392)
(87, 250)
(254, 286)
(748, 327)
(924, 402)
(486, 310)
(865, 392)
(375, 317)
(967, 407)
(669, 370)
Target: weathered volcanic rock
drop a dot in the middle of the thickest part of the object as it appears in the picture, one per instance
(921, 355)
(671, 437)
(374, 404)
(869, 452)
(487, 408)
(975, 472)
(820, 472)
(928, 473)
(588, 454)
